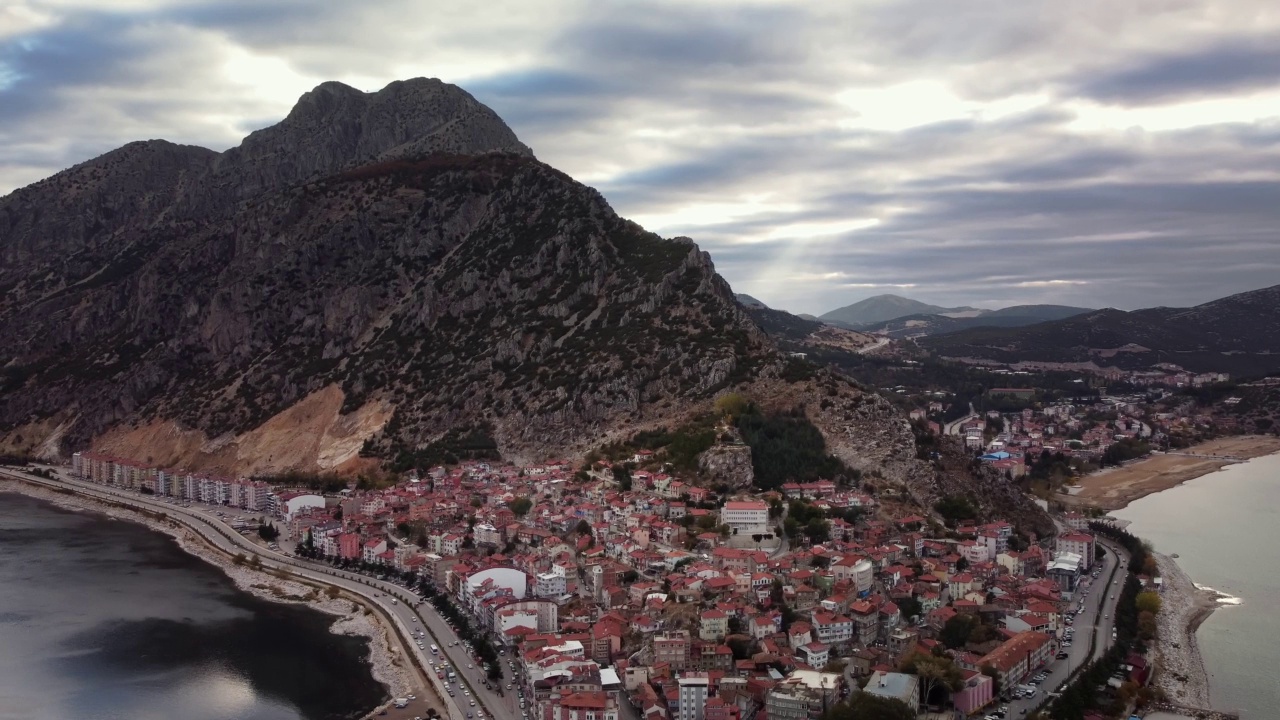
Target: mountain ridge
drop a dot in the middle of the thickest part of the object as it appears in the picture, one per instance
(1239, 334)
(880, 308)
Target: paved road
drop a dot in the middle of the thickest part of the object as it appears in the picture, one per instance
(953, 427)
(1101, 596)
(872, 348)
(204, 521)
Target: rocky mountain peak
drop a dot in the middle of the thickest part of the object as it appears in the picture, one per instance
(336, 127)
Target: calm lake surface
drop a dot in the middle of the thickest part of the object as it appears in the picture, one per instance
(1225, 528)
(106, 620)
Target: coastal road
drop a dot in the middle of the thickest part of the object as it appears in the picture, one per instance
(392, 599)
(1097, 598)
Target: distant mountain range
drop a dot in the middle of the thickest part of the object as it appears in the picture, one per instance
(1239, 334)
(887, 307)
(748, 301)
(1014, 316)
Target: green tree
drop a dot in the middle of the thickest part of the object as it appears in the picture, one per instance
(520, 506)
(1148, 602)
(955, 633)
(583, 528)
(935, 672)
(731, 405)
(268, 532)
(622, 476)
(865, 706)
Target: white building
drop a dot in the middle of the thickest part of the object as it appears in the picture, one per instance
(746, 517)
(694, 690)
(292, 504)
(551, 584)
(1078, 543)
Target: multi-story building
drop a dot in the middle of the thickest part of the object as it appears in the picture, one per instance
(672, 649)
(803, 695)
(746, 517)
(584, 706)
(695, 689)
(832, 629)
(551, 584)
(1079, 543)
(1019, 656)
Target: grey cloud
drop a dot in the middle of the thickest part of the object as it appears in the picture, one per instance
(1228, 67)
(740, 103)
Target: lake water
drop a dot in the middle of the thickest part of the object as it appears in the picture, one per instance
(1225, 528)
(107, 620)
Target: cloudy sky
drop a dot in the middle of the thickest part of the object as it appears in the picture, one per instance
(1096, 153)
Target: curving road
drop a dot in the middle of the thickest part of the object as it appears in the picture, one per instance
(395, 601)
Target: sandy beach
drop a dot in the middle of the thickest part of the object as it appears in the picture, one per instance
(352, 618)
(1114, 488)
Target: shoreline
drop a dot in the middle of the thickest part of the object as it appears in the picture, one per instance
(1181, 671)
(1114, 488)
(350, 616)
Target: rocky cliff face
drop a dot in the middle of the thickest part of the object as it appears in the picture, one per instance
(403, 247)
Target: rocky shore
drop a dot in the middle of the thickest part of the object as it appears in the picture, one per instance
(352, 619)
(1182, 675)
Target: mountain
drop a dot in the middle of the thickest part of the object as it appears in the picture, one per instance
(795, 333)
(385, 266)
(386, 277)
(1239, 334)
(748, 301)
(885, 307)
(1014, 316)
(1037, 313)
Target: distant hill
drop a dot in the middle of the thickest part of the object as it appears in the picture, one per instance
(1039, 313)
(748, 301)
(1239, 334)
(1015, 316)
(798, 334)
(885, 307)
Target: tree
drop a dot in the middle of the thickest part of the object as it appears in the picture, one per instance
(865, 706)
(520, 506)
(934, 672)
(740, 646)
(909, 607)
(268, 532)
(1148, 602)
(622, 476)
(817, 530)
(955, 633)
(731, 405)
(583, 528)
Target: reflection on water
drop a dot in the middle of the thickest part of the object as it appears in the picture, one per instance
(108, 620)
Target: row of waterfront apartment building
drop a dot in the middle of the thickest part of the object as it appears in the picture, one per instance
(241, 493)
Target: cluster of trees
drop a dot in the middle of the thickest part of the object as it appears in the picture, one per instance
(865, 706)
(1127, 449)
(961, 630)
(785, 446)
(806, 520)
(954, 508)
(319, 482)
(520, 506)
(269, 532)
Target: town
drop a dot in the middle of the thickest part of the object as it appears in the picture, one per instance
(629, 594)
